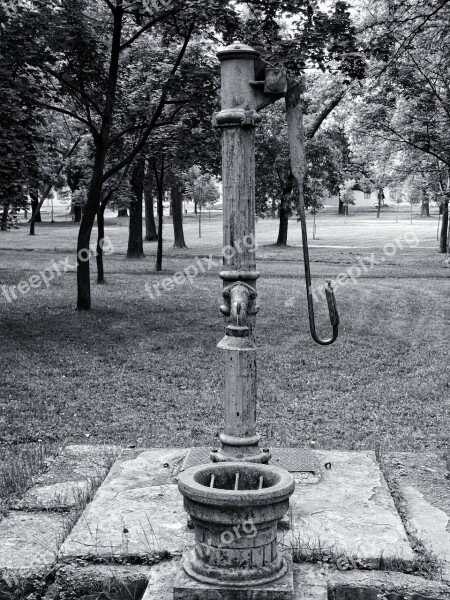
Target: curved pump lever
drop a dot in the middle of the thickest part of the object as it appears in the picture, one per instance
(296, 134)
(332, 308)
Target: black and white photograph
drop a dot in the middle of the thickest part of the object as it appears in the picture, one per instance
(224, 315)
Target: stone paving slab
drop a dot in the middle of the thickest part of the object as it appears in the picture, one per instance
(29, 545)
(349, 513)
(71, 477)
(313, 582)
(368, 585)
(424, 495)
(137, 511)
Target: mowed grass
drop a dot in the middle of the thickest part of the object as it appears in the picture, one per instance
(146, 372)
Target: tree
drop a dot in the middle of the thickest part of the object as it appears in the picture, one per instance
(201, 189)
(176, 194)
(315, 191)
(414, 192)
(93, 40)
(150, 225)
(347, 195)
(406, 101)
(22, 124)
(324, 155)
(135, 239)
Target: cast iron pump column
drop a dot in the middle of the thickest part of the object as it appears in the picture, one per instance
(241, 97)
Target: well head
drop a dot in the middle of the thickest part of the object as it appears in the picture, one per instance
(236, 484)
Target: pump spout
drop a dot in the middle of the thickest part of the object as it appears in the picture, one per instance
(239, 299)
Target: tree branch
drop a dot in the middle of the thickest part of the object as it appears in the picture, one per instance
(70, 114)
(111, 6)
(74, 88)
(414, 145)
(156, 114)
(324, 114)
(148, 25)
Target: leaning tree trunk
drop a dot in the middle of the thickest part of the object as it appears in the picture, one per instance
(150, 226)
(443, 241)
(177, 213)
(135, 240)
(283, 225)
(4, 217)
(84, 233)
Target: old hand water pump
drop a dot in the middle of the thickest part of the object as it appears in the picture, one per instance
(236, 504)
(249, 85)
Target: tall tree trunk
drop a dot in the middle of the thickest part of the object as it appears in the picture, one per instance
(95, 186)
(380, 197)
(101, 237)
(177, 213)
(77, 213)
(425, 210)
(283, 225)
(4, 217)
(135, 240)
(443, 241)
(35, 211)
(84, 233)
(159, 250)
(35, 207)
(195, 208)
(150, 225)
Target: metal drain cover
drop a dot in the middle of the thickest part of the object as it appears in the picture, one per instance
(294, 460)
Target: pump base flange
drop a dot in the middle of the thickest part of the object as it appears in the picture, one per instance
(186, 588)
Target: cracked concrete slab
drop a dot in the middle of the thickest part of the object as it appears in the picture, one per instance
(429, 525)
(349, 513)
(137, 511)
(424, 497)
(29, 545)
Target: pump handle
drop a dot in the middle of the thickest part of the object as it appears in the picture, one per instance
(331, 300)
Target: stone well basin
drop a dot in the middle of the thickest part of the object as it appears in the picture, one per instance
(235, 509)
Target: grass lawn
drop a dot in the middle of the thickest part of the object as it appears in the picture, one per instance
(144, 371)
